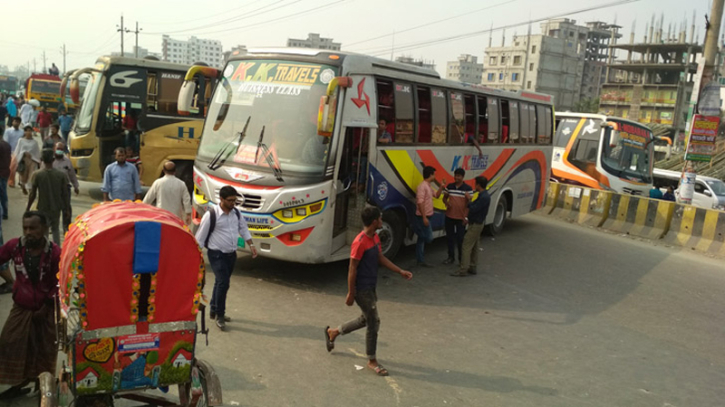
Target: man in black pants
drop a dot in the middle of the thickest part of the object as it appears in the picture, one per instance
(362, 278)
(218, 232)
(454, 196)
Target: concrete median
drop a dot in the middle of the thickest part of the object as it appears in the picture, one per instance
(581, 205)
(551, 195)
(636, 216)
(698, 228)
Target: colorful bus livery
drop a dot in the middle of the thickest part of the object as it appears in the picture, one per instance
(310, 137)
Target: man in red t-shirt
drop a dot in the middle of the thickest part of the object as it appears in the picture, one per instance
(362, 278)
(44, 120)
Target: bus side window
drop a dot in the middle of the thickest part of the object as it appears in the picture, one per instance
(168, 94)
(482, 119)
(424, 115)
(548, 115)
(505, 120)
(493, 121)
(564, 131)
(456, 131)
(514, 122)
(524, 120)
(439, 114)
(404, 113)
(470, 111)
(532, 124)
(543, 131)
(152, 92)
(386, 109)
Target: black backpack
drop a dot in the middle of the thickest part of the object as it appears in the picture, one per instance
(212, 224)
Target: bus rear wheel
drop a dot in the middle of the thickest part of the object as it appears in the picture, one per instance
(499, 217)
(391, 234)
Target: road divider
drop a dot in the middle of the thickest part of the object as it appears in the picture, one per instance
(654, 219)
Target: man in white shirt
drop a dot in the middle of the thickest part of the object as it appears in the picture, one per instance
(170, 193)
(12, 135)
(218, 232)
(27, 113)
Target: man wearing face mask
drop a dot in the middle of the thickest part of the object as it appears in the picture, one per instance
(62, 163)
(27, 341)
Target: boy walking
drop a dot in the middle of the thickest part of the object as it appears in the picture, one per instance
(365, 257)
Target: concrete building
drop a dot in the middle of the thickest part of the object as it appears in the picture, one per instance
(654, 83)
(417, 62)
(314, 41)
(192, 51)
(142, 53)
(552, 62)
(598, 53)
(466, 69)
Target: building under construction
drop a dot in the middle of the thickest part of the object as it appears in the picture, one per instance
(654, 83)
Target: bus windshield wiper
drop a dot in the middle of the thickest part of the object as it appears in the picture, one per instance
(218, 161)
(268, 157)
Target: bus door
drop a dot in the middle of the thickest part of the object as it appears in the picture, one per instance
(351, 181)
(123, 98)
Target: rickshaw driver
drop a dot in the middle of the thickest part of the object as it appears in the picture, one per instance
(27, 341)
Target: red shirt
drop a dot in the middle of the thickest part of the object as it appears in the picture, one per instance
(366, 249)
(129, 122)
(44, 119)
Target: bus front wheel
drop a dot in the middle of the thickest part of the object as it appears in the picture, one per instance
(499, 217)
(391, 234)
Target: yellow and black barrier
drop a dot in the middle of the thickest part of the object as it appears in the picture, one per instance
(676, 224)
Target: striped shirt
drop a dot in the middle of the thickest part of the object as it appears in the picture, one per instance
(457, 203)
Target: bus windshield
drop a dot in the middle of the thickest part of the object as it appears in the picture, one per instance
(85, 115)
(631, 157)
(40, 86)
(279, 100)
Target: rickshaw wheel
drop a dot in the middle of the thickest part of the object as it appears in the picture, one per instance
(186, 396)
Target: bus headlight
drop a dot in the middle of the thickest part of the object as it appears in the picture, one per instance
(199, 196)
(298, 213)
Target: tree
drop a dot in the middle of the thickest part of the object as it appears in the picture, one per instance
(588, 105)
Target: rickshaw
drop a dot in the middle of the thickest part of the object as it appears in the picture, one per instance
(130, 292)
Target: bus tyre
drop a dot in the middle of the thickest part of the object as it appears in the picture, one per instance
(391, 234)
(499, 217)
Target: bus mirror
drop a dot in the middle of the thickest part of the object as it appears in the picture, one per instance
(328, 105)
(75, 88)
(665, 138)
(191, 86)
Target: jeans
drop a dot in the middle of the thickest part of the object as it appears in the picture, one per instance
(4, 196)
(64, 134)
(425, 235)
(223, 265)
(54, 219)
(367, 300)
(454, 235)
(469, 255)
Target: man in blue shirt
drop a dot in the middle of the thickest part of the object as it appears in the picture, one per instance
(362, 278)
(65, 122)
(120, 180)
(655, 193)
(477, 211)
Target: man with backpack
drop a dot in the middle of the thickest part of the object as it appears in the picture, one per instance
(218, 231)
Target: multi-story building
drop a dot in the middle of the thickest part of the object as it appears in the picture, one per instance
(192, 51)
(552, 62)
(466, 69)
(417, 62)
(654, 84)
(599, 38)
(314, 41)
(141, 52)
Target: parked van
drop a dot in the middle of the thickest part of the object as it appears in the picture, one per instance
(709, 192)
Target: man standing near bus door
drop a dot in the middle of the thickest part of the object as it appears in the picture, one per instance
(362, 278)
(454, 197)
(424, 209)
(477, 211)
(170, 193)
(218, 231)
(120, 180)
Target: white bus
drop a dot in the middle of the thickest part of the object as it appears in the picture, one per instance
(296, 133)
(603, 152)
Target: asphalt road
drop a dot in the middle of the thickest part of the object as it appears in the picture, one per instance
(560, 315)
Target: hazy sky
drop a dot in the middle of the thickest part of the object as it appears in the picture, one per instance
(88, 27)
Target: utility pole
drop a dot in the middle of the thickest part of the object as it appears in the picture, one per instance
(121, 30)
(64, 53)
(35, 66)
(135, 32)
(708, 111)
(45, 66)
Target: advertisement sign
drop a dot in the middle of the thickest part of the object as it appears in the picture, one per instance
(687, 187)
(701, 143)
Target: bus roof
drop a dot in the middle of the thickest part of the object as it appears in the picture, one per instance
(148, 63)
(361, 64)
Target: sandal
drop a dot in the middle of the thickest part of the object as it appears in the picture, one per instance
(380, 370)
(328, 342)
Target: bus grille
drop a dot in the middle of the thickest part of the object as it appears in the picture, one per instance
(631, 191)
(250, 201)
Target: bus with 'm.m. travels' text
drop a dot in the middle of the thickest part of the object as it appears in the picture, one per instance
(132, 101)
(296, 133)
(603, 152)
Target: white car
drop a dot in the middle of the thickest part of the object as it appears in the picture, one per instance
(709, 192)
